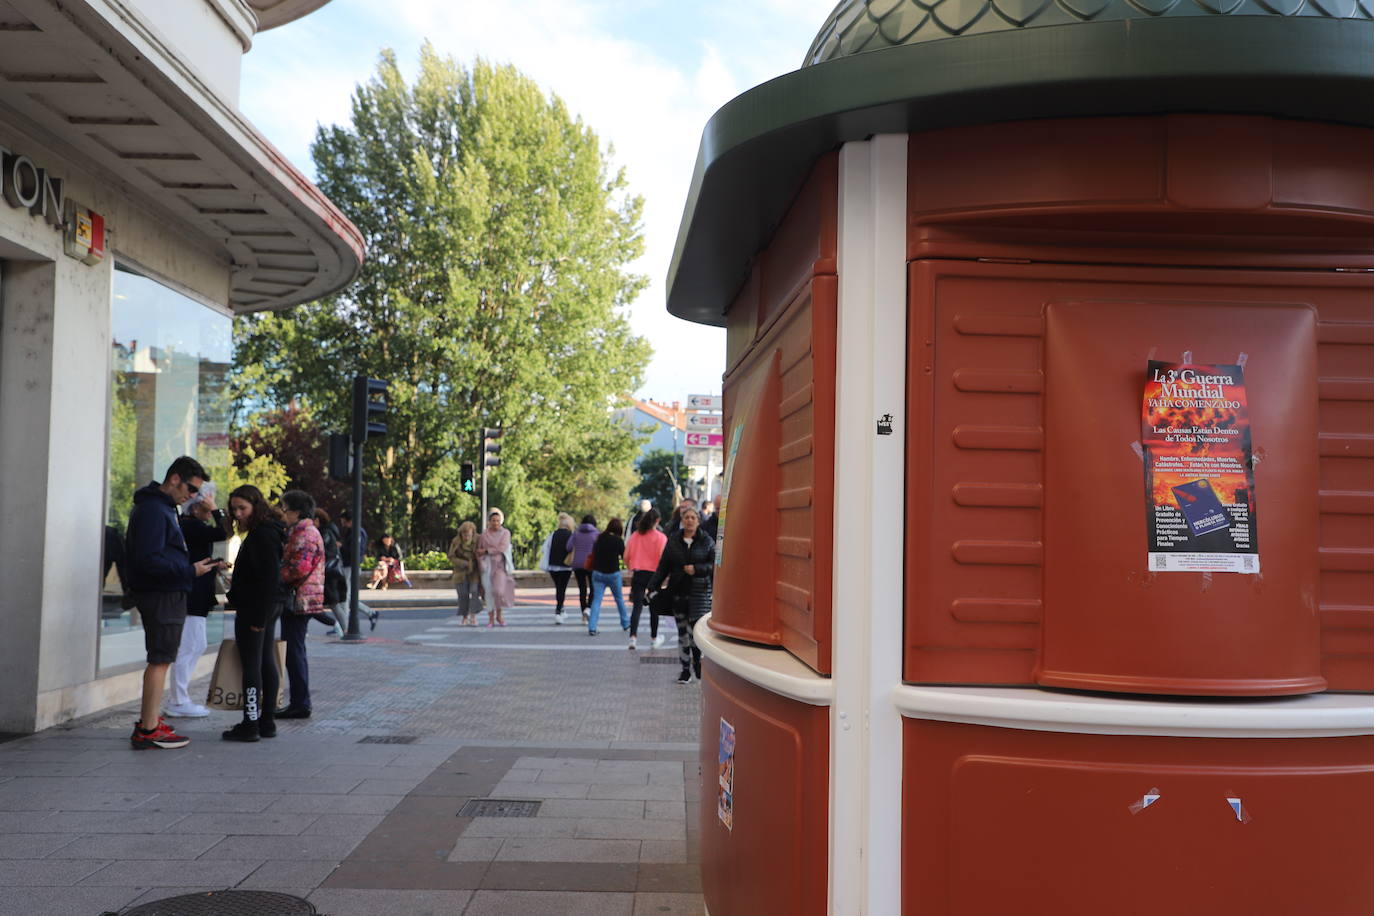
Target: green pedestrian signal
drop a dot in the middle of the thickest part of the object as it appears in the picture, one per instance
(469, 483)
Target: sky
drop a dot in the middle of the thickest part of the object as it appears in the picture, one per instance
(646, 75)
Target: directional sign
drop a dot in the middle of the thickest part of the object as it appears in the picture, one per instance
(705, 402)
(706, 440)
(705, 421)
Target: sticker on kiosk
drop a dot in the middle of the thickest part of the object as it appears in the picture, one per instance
(725, 789)
(1199, 472)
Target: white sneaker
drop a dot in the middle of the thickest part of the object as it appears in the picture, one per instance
(338, 629)
(658, 640)
(188, 711)
(634, 643)
(558, 619)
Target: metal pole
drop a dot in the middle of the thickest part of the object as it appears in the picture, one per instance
(482, 525)
(354, 634)
(677, 474)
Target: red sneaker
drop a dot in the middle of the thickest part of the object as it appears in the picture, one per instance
(160, 737)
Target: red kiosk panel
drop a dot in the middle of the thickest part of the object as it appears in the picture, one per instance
(986, 550)
(780, 384)
(1049, 824)
(772, 858)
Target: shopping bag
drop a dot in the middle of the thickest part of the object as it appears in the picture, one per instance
(226, 683)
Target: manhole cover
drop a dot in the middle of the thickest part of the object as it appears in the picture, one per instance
(226, 903)
(658, 659)
(499, 807)
(388, 739)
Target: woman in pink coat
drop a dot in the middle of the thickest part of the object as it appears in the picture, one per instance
(494, 557)
(302, 571)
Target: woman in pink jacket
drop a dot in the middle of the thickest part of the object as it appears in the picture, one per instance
(494, 558)
(302, 570)
(641, 556)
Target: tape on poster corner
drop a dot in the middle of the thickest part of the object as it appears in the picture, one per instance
(1146, 800)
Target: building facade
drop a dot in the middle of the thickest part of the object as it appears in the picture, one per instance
(140, 213)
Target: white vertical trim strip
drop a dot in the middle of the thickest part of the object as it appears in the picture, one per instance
(866, 729)
(886, 523)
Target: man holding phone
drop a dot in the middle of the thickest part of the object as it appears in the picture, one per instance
(160, 576)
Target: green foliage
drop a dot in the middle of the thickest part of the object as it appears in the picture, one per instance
(656, 481)
(261, 470)
(492, 295)
(430, 559)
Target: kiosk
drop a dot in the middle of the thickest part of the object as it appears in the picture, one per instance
(1046, 572)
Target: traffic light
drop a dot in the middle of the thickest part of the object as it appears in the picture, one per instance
(469, 482)
(340, 461)
(491, 450)
(368, 415)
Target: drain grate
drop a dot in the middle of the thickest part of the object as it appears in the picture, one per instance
(658, 660)
(499, 807)
(226, 903)
(389, 739)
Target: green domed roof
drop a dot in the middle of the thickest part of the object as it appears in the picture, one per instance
(858, 26)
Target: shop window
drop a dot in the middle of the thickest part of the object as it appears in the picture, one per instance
(169, 397)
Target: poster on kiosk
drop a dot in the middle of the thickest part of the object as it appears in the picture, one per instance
(1199, 475)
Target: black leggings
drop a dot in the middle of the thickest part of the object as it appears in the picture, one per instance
(638, 581)
(258, 657)
(584, 587)
(560, 585)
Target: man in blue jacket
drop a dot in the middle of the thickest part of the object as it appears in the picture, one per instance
(160, 576)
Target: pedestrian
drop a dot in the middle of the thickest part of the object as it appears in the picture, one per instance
(302, 572)
(256, 593)
(606, 553)
(497, 568)
(643, 507)
(390, 564)
(334, 589)
(582, 540)
(160, 577)
(203, 524)
(684, 573)
(351, 543)
(675, 522)
(642, 553)
(556, 559)
(709, 520)
(467, 578)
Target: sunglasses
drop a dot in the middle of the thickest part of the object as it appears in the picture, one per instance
(191, 488)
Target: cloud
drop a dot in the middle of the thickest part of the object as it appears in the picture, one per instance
(646, 79)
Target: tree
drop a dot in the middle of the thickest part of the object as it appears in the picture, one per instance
(657, 480)
(492, 295)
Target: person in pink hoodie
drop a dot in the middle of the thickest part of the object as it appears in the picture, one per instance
(641, 556)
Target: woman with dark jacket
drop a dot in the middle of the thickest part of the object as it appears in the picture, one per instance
(255, 594)
(685, 572)
(334, 588)
(606, 554)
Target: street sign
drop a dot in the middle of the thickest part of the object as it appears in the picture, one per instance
(705, 402)
(711, 422)
(706, 440)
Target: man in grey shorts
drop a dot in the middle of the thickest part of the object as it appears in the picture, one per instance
(160, 576)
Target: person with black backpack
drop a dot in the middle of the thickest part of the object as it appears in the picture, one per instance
(556, 560)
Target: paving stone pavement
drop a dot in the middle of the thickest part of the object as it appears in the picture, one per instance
(604, 743)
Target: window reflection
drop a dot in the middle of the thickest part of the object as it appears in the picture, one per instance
(169, 397)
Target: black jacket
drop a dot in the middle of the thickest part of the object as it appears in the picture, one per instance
(200, 543)
(606, 553)
(696, 588)
(346, 543)
(333, 566)
(256, 585)
(155, 552)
